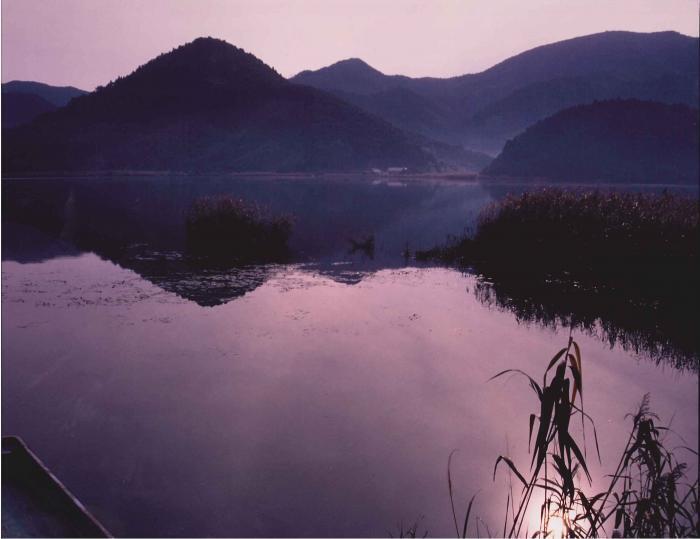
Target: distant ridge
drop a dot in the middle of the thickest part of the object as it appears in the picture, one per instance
(350, 75)
(58, 96)
(19, 108)
(483, 110)
(22, 101)
(617, 141)
(208, 106)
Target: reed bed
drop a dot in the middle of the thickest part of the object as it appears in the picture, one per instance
(583, 230)
(229, 229)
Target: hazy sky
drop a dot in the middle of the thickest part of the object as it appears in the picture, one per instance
(89, 42)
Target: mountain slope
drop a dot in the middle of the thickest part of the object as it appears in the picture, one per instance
(20, 108)
(22, 101)
(483, 110)
(59, 96)
(617, 140)
(412, 104)
(208, 106)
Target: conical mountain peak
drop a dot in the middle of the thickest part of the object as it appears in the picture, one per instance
(208, 106)
(207, 60)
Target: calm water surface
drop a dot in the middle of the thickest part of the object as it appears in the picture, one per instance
(316, 398)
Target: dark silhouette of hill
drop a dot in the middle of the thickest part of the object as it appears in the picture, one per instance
(208, 106)
(22, 101)
(618, 140)
(19, 108)
(484, 110)
(59, 96)
(352, 75)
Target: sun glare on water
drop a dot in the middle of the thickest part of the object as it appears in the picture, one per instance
(555, 527)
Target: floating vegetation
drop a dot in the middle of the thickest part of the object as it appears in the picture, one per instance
(225, 229)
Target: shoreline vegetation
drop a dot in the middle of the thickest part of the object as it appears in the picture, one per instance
(589, 227)
(469, 177)
(620, 265)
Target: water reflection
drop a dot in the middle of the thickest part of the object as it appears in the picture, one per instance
(658, 328)
(308, 407)
(345, 229)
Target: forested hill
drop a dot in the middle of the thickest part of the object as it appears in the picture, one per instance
(208, 106)
(485, 109)
(616, 141)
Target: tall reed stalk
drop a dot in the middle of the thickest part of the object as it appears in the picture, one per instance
(648, 494)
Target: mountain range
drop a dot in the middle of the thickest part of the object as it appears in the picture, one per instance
(482, 111)
(209, 106)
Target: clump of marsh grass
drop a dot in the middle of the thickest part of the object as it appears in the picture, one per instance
(648, 494)
(228, 229)
(569, 228)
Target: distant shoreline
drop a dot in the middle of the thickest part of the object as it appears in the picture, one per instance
(462, 177)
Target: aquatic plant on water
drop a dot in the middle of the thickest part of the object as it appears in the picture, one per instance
(229, 229)
(648, 494)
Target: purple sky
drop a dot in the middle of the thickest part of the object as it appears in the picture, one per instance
(89, 42)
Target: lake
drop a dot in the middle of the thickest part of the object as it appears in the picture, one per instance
(319, 397)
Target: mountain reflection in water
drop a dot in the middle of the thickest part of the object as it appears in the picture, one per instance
(138, 224)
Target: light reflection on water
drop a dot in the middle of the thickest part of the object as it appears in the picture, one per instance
(306, 407)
